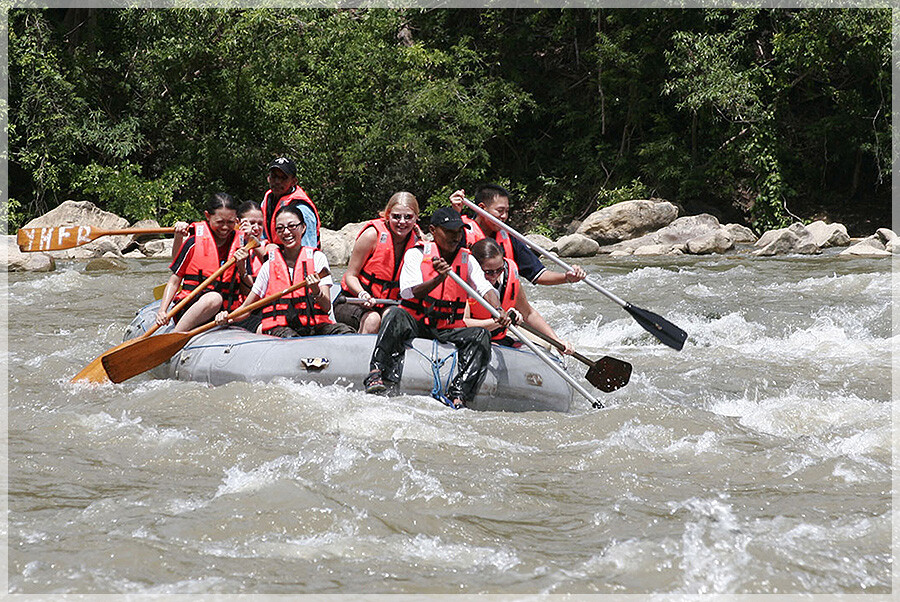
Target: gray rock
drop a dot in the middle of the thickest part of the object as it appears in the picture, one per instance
(110, 262)
(627, 220)
(676, 234)
(741, 234)
(795, 239)
(868, 247)
(157, 248)
(576, 245)
(83, 213)
(885, 234)
(829, 235)
(540, 240)
(652, 250)
(15, 260)
(718, 241)
(336, 246)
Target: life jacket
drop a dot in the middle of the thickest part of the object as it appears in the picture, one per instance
(255, 264)
(509, 293)
(300, 302)
(380, 274)
(297, 196)
(445, 305)
(474, 233)
(205, 260)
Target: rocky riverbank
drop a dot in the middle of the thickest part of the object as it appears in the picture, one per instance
(638, 227)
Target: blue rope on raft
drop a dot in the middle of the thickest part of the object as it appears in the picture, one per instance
(438, 390)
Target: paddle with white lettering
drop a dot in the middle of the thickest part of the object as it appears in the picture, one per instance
(31, 240)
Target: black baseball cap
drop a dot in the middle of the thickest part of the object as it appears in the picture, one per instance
(446, 217)
(285, 165)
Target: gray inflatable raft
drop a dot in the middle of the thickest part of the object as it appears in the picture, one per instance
(517, 380)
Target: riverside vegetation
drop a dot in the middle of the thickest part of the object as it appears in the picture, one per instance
(758, 117)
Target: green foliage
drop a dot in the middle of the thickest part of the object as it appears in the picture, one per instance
(123, 191)
(751, 111)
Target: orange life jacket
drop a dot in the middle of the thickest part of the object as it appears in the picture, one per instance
(380, 274)
(474, 233)
(509, 294)
(445, 305)
(299, 302)
(205, 260)
(297, 197)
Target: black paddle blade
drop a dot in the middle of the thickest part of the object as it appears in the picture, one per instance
(609, 374)
(658, 326)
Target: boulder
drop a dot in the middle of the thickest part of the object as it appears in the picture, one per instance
(161, 247)
(741, 234)
(17, 261)
(540, 240)
(84, 213)
(652, 250)
(829, 235)
(676, 234)
(885, 235)
(627, 220)
(110, 262)
(334, 245)
(794, 239)
(576, 245)
(868, 247)
(717, 241)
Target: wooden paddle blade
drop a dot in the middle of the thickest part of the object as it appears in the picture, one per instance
(609, 374)
(662, 329)
(55, 239)
(92, 373)
(140, 355)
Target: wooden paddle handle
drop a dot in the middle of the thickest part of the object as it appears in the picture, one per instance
(252, 243)
(246, 310)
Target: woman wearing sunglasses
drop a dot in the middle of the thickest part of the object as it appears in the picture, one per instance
(303, 312)
(503, 274)
(373, 271)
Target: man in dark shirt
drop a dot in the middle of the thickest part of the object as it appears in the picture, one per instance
(495, 200)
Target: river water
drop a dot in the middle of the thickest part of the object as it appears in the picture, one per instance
(756, 460)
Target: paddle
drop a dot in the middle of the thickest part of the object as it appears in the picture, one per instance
(662, 329)
(534, 348)
(159, 290)
(95, 371)
(359, 301)
(140, 355)
(607, 373)
(66, 237)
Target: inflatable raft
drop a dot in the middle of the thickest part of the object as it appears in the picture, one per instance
(516, 381)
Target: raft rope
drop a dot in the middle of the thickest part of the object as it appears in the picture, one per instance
(437, 389)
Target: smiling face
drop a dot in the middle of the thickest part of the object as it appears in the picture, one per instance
(402, 219)
(280, 182)
(221, 222)
(290, 228)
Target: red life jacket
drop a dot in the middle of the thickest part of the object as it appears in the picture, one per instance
(509, 293)
(380, 274)
(299, 302)
(445, 305)
(474, 233)
(205, 260)
(297, 197)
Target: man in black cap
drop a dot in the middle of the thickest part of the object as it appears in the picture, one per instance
(283, 190)
(432, 307)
